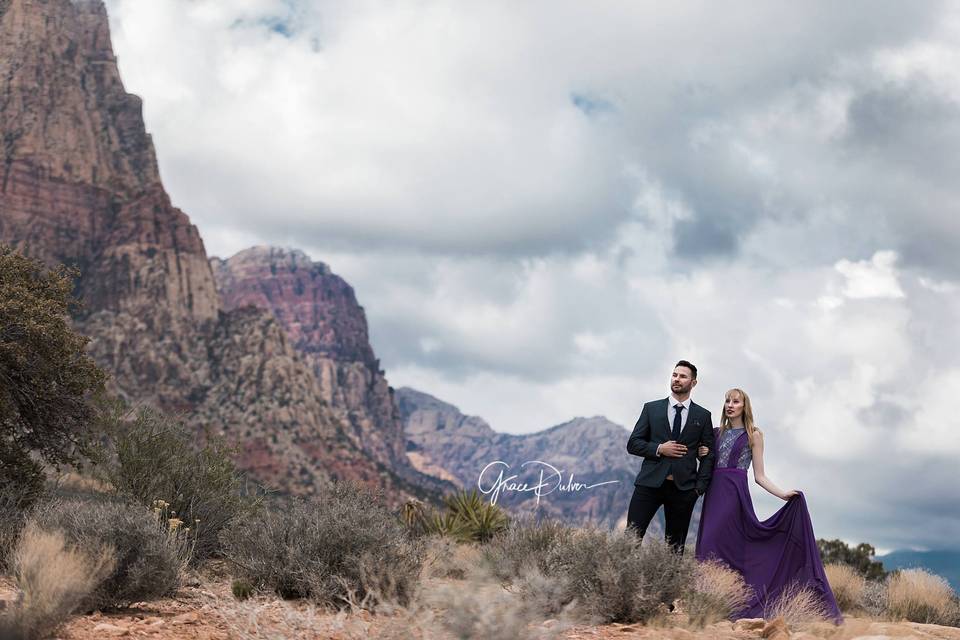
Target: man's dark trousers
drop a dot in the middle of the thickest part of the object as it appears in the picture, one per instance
(652, 489)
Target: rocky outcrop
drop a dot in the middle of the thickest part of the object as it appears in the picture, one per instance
(79, 184)
(327, 326)
(78, 180)
(583, 450)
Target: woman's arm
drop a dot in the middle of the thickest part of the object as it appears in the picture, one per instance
(758, 474)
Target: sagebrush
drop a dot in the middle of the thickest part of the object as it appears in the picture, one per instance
(150, 554)
(343, 543)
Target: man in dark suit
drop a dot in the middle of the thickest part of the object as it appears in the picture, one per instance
(667, 436)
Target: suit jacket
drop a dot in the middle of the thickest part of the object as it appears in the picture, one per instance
(653, 428)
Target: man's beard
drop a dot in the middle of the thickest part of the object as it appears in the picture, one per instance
(679, 388)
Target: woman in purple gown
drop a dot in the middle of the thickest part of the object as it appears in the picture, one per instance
(776, 554)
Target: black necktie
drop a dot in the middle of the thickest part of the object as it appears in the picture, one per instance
(677, 417)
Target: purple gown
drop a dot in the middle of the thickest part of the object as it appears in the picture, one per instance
(771, 555)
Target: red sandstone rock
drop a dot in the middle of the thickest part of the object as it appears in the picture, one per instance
(79, 184)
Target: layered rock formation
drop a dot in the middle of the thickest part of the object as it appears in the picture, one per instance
(328, 327)
(79, 179)
(80, 185)
(583, 450)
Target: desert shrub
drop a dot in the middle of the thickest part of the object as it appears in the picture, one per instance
(53, 580)
(847, 585)
(607, 576)
(481, 609)
(920, 596)
(342, 544)
(155, 456)
(17, 499)
(797, 604)
(446, 558)
(716, 593)
(873, 598)
(466, 518)
(151, 550)
(242, 589)
(524, 545)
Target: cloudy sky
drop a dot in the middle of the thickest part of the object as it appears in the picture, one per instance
(543, 205)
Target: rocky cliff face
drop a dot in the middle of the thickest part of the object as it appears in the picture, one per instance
(583, 450)
(80, 185)
(79, 179)
(328, 327)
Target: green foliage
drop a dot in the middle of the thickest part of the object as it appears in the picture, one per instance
(242, 589)
(47, 381)
(154, 456)
(150, 551)
(467, 518)
(342, 545)
(860, 558)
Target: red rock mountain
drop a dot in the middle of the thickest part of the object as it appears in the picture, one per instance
(328, 327)
(79, 184)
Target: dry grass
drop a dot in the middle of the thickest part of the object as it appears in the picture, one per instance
(847, 585)
(445, 558)
(53, 580)
(480, 608)
(797, 605)
(717, 593)
(920, 596)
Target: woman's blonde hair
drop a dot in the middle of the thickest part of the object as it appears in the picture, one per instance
(748, 422)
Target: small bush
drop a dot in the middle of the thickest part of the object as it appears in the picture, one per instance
(157, 457)
(717, 593)
(847, 585)
(342, 545)
(53, 580)
(797, 604)
(446, 558)
(873, 598)
(242, 589)
(525, 545)
(605, 576)
(920, 596)
(482, 609)
(151, 552)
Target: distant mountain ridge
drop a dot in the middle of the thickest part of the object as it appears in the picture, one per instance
(943, 562)
(592, 450)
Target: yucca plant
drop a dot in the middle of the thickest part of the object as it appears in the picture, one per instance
(468, 518)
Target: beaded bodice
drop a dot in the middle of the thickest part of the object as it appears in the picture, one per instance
(726, 445)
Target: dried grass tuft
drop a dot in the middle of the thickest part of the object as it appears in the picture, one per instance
(920, 596)
(53, 580)
(718, 592)
(797, 605)
(847, 585)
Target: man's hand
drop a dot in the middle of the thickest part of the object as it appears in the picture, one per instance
(702, 451)
(672, 449)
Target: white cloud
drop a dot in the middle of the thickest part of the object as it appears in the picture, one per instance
(874, 278)
(542, 206)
